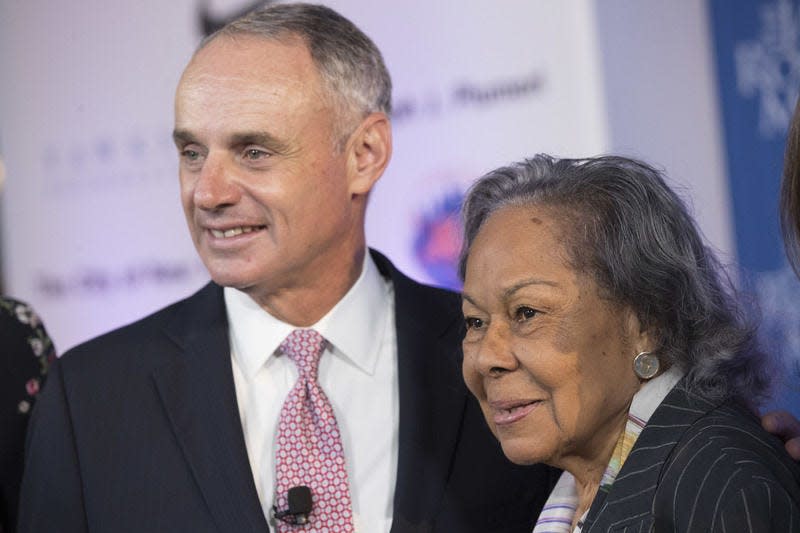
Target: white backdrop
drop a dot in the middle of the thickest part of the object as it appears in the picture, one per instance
(93, 234)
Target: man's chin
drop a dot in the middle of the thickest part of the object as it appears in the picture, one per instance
(226, 276)
(247, 282)
(228, 280)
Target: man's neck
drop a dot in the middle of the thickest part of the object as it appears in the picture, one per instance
(304, 305)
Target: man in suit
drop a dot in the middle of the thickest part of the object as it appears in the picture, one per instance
(169, 424)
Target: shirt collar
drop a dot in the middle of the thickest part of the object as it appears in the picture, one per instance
(353, 326)
(356, 324)
(653, 392)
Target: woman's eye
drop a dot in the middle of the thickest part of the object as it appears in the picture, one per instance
(524, 313)
(473, 323)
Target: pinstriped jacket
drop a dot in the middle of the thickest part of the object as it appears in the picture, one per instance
(701, 467)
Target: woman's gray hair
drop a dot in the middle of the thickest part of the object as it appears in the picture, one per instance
(629, 231)
(351, 66)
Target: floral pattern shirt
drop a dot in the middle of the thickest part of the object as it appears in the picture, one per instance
(41, 347)
(25, 354)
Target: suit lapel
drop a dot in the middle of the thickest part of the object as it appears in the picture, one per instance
(432, 397)
(199, 397)
(631, 497)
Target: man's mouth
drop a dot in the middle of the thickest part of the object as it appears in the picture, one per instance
(233, 232)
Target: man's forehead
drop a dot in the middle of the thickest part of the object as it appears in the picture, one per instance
(247, 53)
(250, 68)
(248, 84)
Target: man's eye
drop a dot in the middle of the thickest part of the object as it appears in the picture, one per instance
(473, 323)
(191, 155)
(254, 154)
(524, 313)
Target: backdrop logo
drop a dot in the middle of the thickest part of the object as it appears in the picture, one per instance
(103, 280)
(758, 64)
(769, 66)
(107, 162)
(438, 240)
(468, 95)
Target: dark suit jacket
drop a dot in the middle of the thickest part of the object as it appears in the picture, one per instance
(138, 430)
(701, 467)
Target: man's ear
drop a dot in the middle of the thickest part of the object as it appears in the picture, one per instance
(369, 150)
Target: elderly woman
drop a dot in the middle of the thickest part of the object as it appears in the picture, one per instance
(600, 339)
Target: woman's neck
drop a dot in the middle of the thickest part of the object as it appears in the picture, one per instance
(586, 494)
(588, 469)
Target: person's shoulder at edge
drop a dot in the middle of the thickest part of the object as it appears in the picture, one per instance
(27, 323)
(27, 347)
(26, 352)
(725, 470)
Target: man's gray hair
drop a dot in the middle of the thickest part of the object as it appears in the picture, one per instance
(634, 236)
(350, 65)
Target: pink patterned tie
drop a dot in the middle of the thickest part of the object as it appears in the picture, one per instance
(309, 448)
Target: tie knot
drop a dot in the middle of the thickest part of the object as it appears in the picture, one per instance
(304, 347)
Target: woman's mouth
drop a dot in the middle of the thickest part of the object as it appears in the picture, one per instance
(509, 412)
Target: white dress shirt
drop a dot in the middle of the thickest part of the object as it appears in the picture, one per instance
(358, 373)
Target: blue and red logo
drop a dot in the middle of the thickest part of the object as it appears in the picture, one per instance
(438, 241)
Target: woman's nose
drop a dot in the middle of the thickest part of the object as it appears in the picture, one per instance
(494, 355)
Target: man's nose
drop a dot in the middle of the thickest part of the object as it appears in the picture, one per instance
(216, 185)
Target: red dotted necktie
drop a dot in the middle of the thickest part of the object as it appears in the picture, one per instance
(309, 447)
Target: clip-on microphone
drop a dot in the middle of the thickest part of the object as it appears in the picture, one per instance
(299, 500)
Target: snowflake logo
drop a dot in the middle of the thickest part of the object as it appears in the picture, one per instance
(769, 67)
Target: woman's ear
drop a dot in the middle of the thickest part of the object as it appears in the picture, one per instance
(641, 337)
